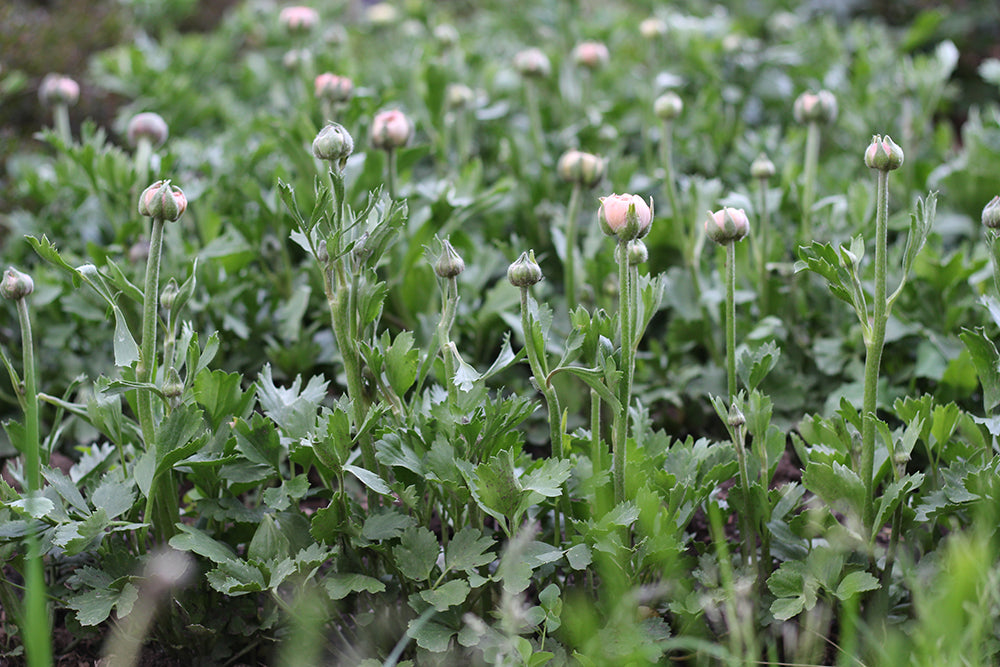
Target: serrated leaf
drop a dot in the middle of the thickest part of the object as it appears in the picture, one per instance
(431, 636)
(416, 553)
(854, 583)
(66, 489)
(114, 497)
(468, 549)
(292, 409)
(401, 362)
(219, 393)
(369, 479)
(836, 484)
(449, 594)
(339, 586)
(197, 541)
(386, 525)
(987, 362)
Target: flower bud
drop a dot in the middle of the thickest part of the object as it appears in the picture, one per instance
(592, 55)
(818, 107)
(16, 285)
(58, 89)
(532, 63)
(727, 225)
(296, 58)
(173, 387)
(625, 216)
(147, 125)
(162, 200)
(524, 272)
(668, 106)
(653, 28)
(391, 130)
(991, 213)
(762, 168)
(169, 295)
(449, 264)
(334, 144)
(636, 253)
(458, 96)
(736, 417)
(382, 14)
(883, 154)
(578, 167)
(446, 35)
(298, 20)
(322, 253)
(333, 88)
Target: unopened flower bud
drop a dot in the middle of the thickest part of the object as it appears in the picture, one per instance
(626, 216)
(458, 96)
(991, 213)
(334, 88)
(162, 200)
(668, 106)
(16, 285)
(169, 295)
(636, 252)
(592, 55)
(391, 130)
(524, 272)
(883, 154)
(446, 35)
(322, 254)
(296, 58)
(818, 107)
(298, 20)
(333, 144)
(449, 264)
(653, 27)
(58, 89)
(578, 167)
(382, 14)
(762, 168)
(173, 387)
(736, 417)
(727, 225)
(147, 125)
(532, 63)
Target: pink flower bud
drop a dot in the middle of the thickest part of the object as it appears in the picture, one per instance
(625, 216)
(991, 213)
(149, 125)
(16, 285)
(818, 107)
(532, 63)
(727, 225)
(298, 19)
(591, 55)
(58, 89)
(162, 200)
(391, 130)
(883, 154)
(333, 88)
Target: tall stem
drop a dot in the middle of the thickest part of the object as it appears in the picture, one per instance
(391, 172)
(449, 301)
(534, 117)
(626, 314)
(809, 180)
(667, 158)
(60, 115)
(731, 320)
(32, 444)
(873, 356)
(761, 241)
(569, 272)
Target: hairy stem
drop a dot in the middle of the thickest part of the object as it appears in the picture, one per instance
(569, 272)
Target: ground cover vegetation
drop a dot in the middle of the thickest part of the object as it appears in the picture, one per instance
(551, 333)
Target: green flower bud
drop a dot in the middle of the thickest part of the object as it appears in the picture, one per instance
(16, 285)
(762, 168)
(524, 272)
(736, 417)
(818, 107)
(637, 252)
(162, 200)
(449, 264)
(991, 213)
(173, 387)
(532, 63)
(578, 167)
(333, 144)
(169, 295)
(883, 154)
(668, 106)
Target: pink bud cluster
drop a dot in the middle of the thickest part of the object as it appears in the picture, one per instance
(298, 19)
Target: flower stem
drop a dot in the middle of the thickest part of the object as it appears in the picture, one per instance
(449, 301)
(534, 117)
(569, 272)
(32, 445)
(60, 116)
(626, 319)
(873, 351)
(809, 180)
(391, 173)
(761, 244)
(667, 158)
(731, 320)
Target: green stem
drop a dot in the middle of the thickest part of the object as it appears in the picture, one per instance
(391, 172)
(731, 320)
(143, 157)
(32, 444)
(667, 158)
(626, 316)
(534, 117)
(569, 274)
(37, 629)
(749, 537)
(809, 180)
(60, 116)
(873, 356)
(449, 301)
(761, 242)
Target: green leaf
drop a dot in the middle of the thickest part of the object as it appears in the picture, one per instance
(987, 362)
(785, 608)
(339, 586)
(497, 486)
(115, 497)
(854, 583)
(66, 489)
(449, 594)
(268, 542)
(386, 525)
(431, 636)
(47, 251)
(839, 486)
(401, 361)
(468, 549)
(259, 441)
(369, 479)
(594, 377)
(198, 541)
(416, 553)
(579, 556)
(292, 409)
(219, 393)
(95, 606)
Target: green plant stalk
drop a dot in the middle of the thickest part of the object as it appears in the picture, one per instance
(534, 117)
(449, 301)
(761, 244)
(161, 511)
(569, 272)
(539, 370)
(143, 157)
(749, 534)
(736, 639)
(37, 629)
(626, 320)
(667, 158)
(731, 320)
(32, 444)
(60, 117)
(873, 351)
(391, 174)
(809, 180)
